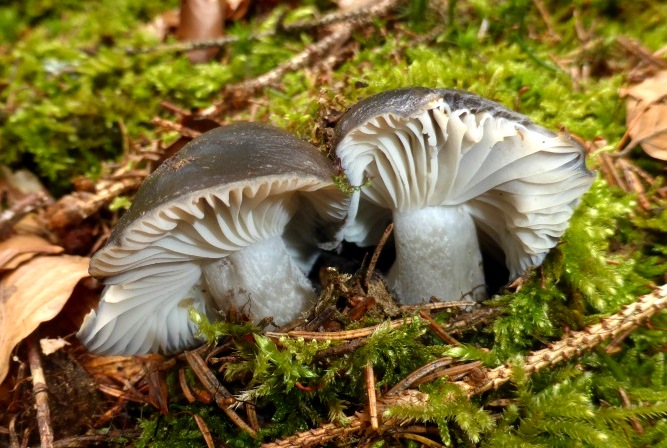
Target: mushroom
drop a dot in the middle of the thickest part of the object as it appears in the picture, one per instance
(455, 172)
(231, 222)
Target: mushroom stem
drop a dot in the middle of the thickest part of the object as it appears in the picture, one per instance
(437, 253)
(261, 281)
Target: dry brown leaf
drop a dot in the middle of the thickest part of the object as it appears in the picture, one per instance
(647, 115)
(201, 20)
(16, 185)
(21, 248)
(32, 294)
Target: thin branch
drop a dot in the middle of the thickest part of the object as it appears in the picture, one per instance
(376, 255)
(372, 400)
(222, 397)
(577, 342)
(318, 50)
(26, 205)
(630, 317)
(339, 335)
(41, 394)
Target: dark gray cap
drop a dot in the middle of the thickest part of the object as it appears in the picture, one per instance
(224, 191)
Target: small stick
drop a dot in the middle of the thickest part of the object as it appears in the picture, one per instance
(184, 386)
(183, 130)
(437, 329)
(630, 317)
(251, 413)
(339, 335)
(425, 441)
(454, 373)
(340, 350)
(41, 393)
(471, 319)
(30, 203)
(439, 305)
(376, 254)
(223, 398)
(573, 345)
(372, 400)
(418, 374)
(359, 15)
(203, 427)
(546, 17)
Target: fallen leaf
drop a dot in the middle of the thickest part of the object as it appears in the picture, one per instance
(50, 346)
(200, 20)
(34, 293)
(647, 115)
(16, 185)
(21, 248)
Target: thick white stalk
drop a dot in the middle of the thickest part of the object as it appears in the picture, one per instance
(437, 254)
(261, 280)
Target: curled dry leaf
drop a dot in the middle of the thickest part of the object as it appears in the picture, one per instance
(647, 115)
(20, 248)
(34, 293)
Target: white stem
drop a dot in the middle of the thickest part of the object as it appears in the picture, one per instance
(437, 254)
(261, 280)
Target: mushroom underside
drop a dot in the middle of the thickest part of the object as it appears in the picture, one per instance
(197, 253)
(518, 184)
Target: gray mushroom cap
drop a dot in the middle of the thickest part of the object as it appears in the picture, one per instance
(423, 148)
(225, 192)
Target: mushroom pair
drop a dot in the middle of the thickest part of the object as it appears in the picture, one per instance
(232, 221)
(455, 173)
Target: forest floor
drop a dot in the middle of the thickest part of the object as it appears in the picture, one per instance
(95, 95)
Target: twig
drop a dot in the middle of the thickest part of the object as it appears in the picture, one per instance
(471, 319)
(24, 206)
(630, 317)
(577, 342)
(415, 376)
(439, 305)
(183, 130)
(72, 209)
(437, 329)
(358, 16)
(185, 387)
(376, 254)
(245, 89)
(205, 432)
(454, 373)
(41, 394)
(323, 47)
(251, 413)
(546, 17)
(424, 441)
(372, 400)
(222, 397)
(339, 335)
(318, 436)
